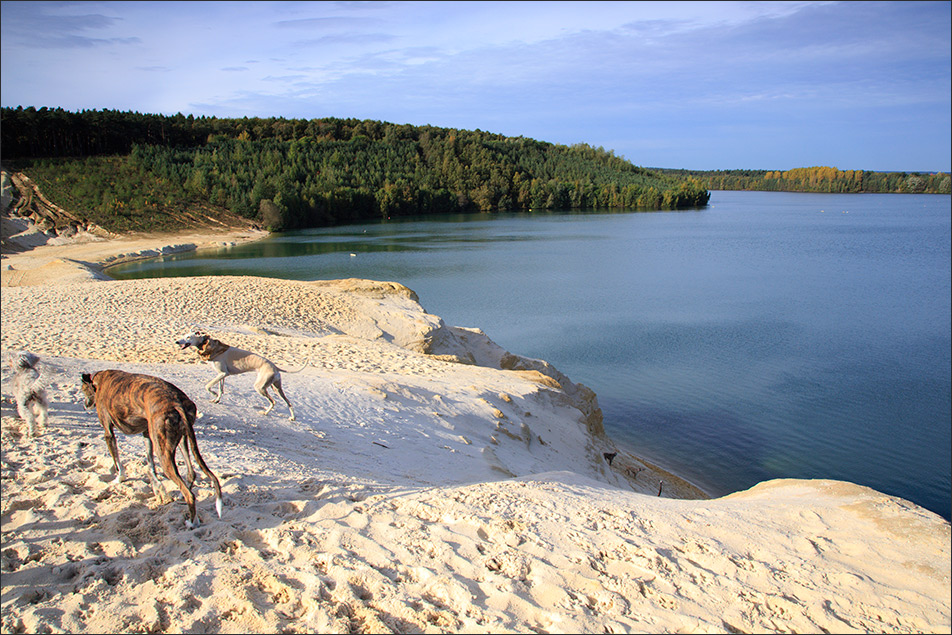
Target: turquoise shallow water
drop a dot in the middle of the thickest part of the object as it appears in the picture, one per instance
(767, 335)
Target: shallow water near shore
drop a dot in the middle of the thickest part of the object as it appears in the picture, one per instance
(768, 335)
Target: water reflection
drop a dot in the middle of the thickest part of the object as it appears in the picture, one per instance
(758, 338)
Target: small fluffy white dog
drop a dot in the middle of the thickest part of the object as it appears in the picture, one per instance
(30, 390)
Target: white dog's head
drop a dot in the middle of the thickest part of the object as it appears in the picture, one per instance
(195, 338)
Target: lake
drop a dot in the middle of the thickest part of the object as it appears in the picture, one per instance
(768, 335)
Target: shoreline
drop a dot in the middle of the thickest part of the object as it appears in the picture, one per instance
(87, 258)
(421, 488)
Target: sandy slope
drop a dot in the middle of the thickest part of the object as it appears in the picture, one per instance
(414, 492)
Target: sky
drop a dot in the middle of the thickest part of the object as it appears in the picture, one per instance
(694, 85)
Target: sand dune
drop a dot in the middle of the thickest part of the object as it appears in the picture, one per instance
(423, 488)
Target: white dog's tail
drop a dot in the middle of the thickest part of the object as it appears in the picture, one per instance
(28, 365)
(306, 362)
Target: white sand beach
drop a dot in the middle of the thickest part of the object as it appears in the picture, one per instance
(432, 482)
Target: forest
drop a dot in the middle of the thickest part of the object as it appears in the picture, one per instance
(818, 179)
(124, 170)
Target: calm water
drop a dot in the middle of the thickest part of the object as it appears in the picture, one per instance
(768, 335)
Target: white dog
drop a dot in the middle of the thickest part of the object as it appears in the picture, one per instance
(229, 360)
(30, 390)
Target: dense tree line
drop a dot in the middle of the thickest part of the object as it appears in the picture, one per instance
(304, 173)
(819, 179)
(54, 132)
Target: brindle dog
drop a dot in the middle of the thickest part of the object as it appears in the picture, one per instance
(163, 414)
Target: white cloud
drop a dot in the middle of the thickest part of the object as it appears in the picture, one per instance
(600, 72)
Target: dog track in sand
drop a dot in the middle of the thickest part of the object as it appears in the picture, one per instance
(307, 554)
(304, 548)
(285, 321)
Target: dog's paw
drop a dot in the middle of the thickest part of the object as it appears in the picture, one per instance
(192, 525)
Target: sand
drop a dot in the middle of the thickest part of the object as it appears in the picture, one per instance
(432, 482)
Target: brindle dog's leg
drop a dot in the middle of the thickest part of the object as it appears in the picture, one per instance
(168, 434)
(113, 446)
(157, 488)
(190, 476)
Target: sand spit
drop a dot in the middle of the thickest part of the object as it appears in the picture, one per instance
(81, 258)
(432, 482)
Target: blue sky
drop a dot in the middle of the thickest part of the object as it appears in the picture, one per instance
(697, 85)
